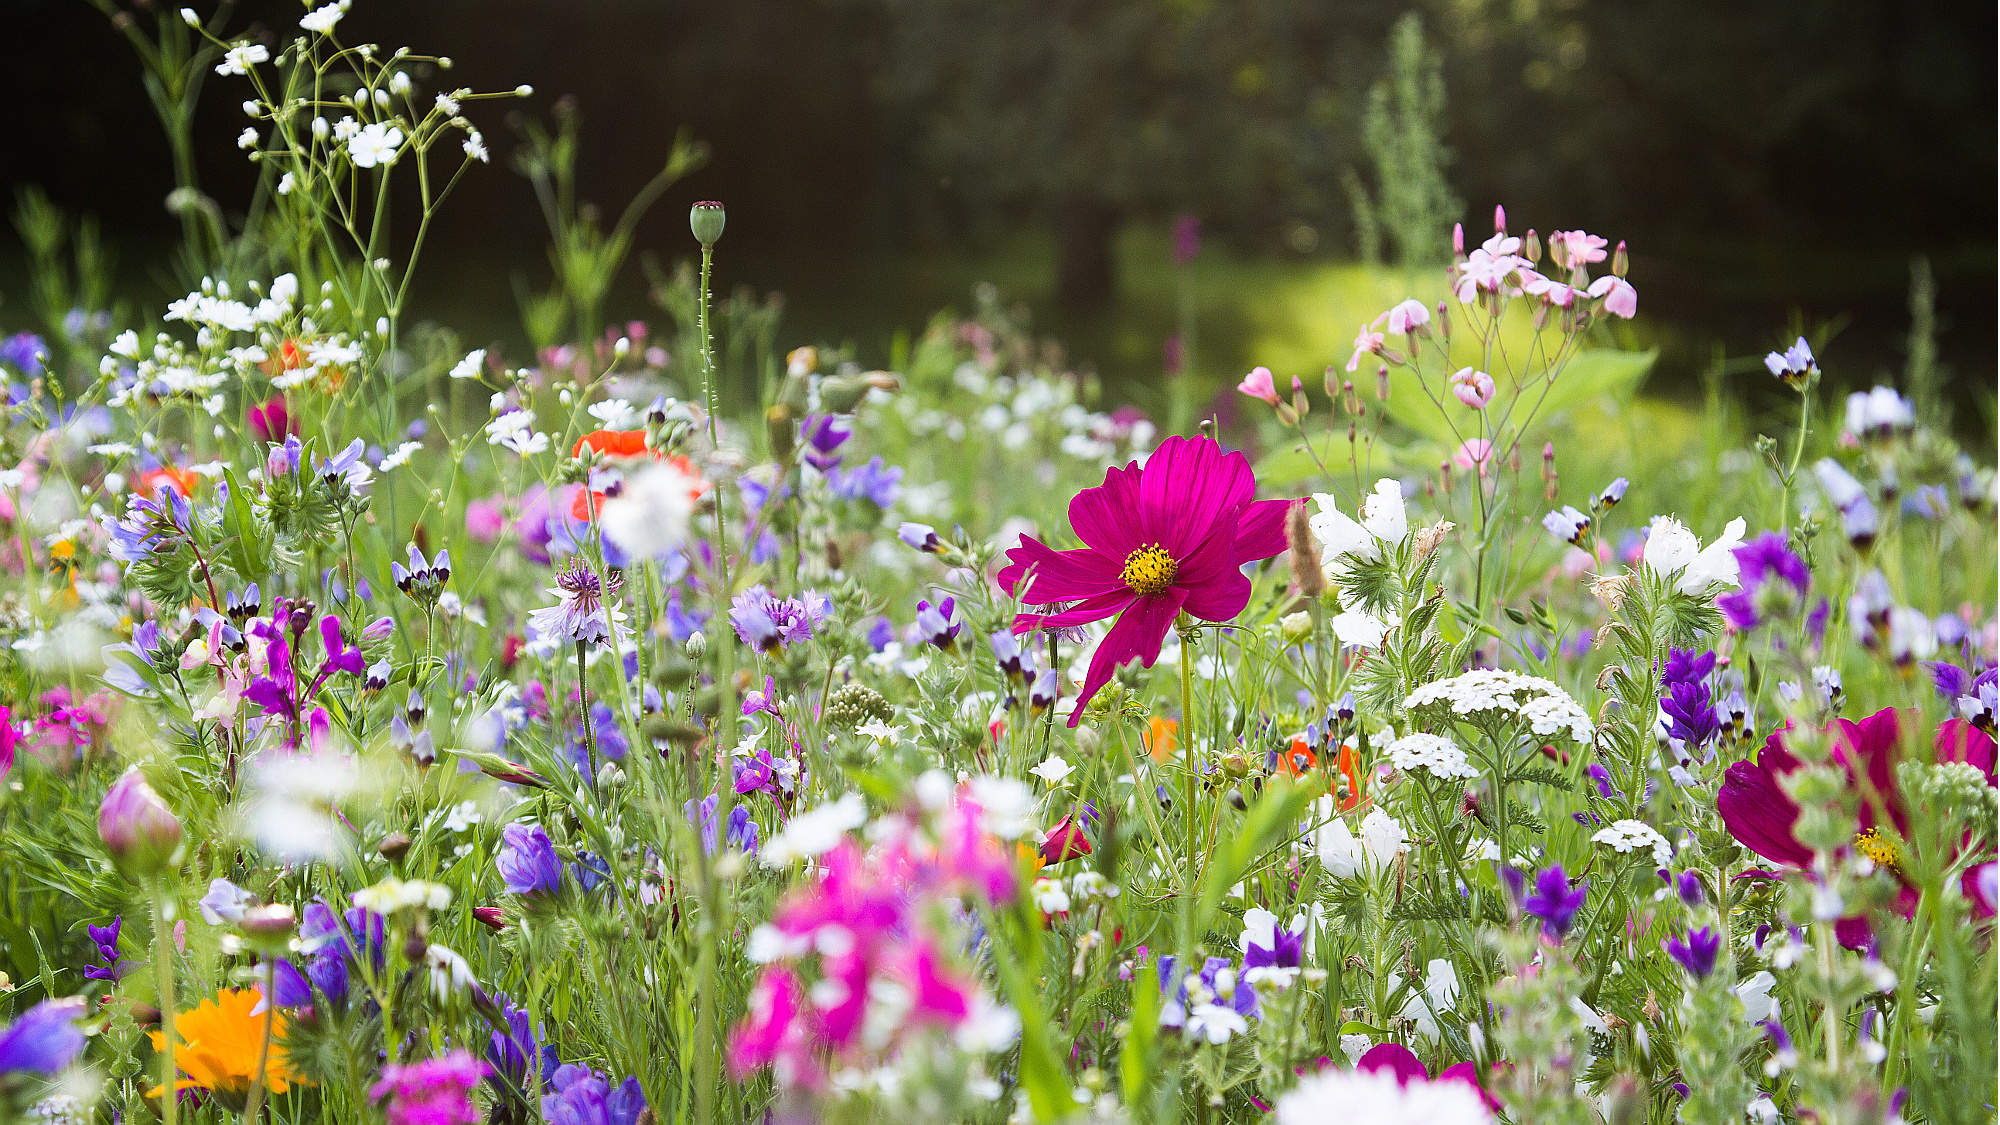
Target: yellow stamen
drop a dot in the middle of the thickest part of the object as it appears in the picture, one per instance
(1879, 848)
(1149, 570)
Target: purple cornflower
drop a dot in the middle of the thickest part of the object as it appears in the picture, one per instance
(432, 1092)
(329, 945)
(824, 434)
(105, 938)
(771, 623)
(25, 353)
(44, 1040)
(1697, 954)
(875, 482)
(1554, 901)
(583, 613)
(581, 1096)
(527, 860)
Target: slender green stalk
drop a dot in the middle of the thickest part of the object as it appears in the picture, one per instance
(163, 977)
(583, 699)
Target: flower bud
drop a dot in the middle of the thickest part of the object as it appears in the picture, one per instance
(1531, 246)
(706, 219)
(696, 646)
(1499, 219)
(137, 827)
(1620, 260)
(1300, 405)
(1458, 240)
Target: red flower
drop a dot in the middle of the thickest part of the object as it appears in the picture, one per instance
(1159, 539)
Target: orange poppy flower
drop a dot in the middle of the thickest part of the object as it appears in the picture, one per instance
(219, 1044)
(1160, 737)
(183, 480)
(587, 504)
(1299, 759)
(613, 443)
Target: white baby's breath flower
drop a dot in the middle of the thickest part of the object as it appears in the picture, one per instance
(247, 139)
(1548, 709)
(320, 21)
(241, 57)
(400, 456)
(374, 144)
(470, 367)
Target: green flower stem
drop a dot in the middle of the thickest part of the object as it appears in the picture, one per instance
(163, 978)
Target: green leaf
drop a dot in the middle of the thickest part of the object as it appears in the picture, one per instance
(1592, 375)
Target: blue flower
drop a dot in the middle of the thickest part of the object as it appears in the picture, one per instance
(1554, 902)
(44, 1040)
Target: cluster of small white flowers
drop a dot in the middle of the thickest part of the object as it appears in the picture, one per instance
(391, 895)
(1022, 411)
(1547, 707)
(1625, 836)
(1432, 752)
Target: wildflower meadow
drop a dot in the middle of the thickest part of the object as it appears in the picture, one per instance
(681, 722)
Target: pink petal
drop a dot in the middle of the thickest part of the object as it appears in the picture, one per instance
(1083, 613)
(1396, 1059)
(1058, 576)
(1757, 811)
(1137, 633)
(1260, 530)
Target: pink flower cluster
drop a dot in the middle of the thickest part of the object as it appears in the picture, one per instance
(432, 1092)
(854, 965)
(1498, 268)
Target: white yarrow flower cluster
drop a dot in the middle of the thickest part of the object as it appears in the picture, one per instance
(1546, 707)
(1433, 753)
(1625, 836)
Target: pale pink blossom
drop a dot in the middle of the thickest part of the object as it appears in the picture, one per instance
(1502, 244)
(1552, 292)
(1258, 384)
(1366, 342)
(1475, 453)
(1484, 270)
(1574, 248)
(1473, 387)
(1620, 299)
(1405, 316)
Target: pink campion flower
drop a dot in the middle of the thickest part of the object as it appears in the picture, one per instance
(1475, 453)
(1473, 387)
(1258, 384)
(1406, 315)
(1170, 536)
(1483, 272)
(1366, 342)
(1620, 299)
(1555, 293)
(1501, 245)
(271, 421)
(1574, 248)
(432, 1091)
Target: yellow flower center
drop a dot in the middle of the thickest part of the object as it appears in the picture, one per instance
(1149, 570)
(1879, 848)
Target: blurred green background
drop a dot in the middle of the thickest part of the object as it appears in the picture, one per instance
(1776, 167)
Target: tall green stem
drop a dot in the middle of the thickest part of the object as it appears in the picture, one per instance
(707, 1057)
(163, 977)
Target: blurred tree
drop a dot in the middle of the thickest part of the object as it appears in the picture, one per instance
(1090, 112)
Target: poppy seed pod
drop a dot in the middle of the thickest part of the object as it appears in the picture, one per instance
(706, 220)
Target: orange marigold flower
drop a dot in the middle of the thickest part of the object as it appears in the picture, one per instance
(219, 1044)
(1160, 737)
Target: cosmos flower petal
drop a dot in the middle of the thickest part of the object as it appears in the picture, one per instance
(1138, 632)
(1758, 812)
(1260, 531)
(1052, 575)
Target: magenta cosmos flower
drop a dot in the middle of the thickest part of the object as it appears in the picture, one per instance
(1168, 536)
(1764, 818)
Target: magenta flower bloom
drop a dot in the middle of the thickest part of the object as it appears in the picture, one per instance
(432, 1092)
(1403, 1063)
(1764, 818)
(1162, 538)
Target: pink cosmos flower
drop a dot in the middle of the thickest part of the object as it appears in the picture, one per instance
(1475, 453)
(1366, 342)
(1402, 1062)
(1620, 299)
(1473, 387)
(1258, 384)
(1172, 535)
(1405, 316)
